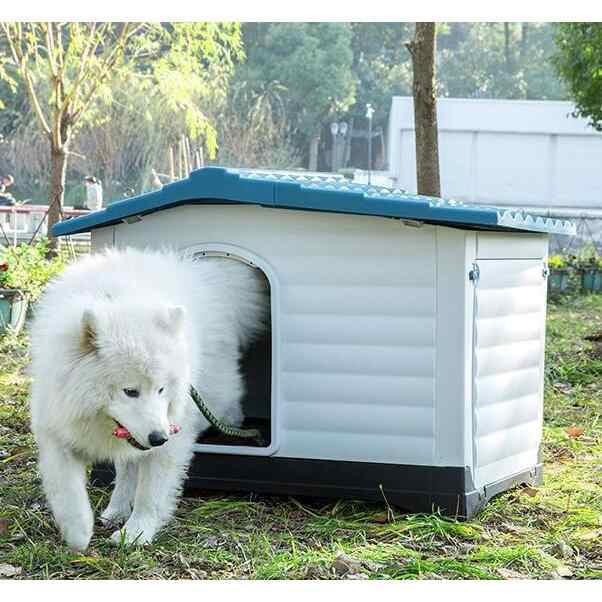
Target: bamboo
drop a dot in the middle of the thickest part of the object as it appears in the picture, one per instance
(172, 167)
(188, 154)
(182, 160)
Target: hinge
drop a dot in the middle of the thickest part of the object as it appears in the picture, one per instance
(132, 219)
(545, 270)
(412, 223)
(474, 274)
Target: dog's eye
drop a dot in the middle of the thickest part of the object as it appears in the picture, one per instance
(132, 392)
(161, 390)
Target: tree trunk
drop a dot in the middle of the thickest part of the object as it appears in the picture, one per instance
(313, 153)
(507, 56)
(422, 50)
(58, 169)
(523, 42)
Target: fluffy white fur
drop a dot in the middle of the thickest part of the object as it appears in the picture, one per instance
(135, 320)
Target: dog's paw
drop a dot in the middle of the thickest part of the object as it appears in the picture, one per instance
(77, 538)
(132, 535)
(113, 516)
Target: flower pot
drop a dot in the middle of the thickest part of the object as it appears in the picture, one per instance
(558, 280)
(591, 280)
(13, 310)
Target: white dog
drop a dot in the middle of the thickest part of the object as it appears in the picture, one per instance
(116, 342)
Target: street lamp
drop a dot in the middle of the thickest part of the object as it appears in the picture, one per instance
(369, 114)
(337, 129)
(334, 130)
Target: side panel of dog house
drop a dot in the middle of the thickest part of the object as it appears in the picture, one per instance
(509, 335)
(453, 392)
(353, 321)
(102, 238)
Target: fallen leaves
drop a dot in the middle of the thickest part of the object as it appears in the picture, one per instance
(564, 388)
(4, 524)
(530, 491)
(562, 571)
(354, 568)
(574, 432)
(510, 574)
(8, 570)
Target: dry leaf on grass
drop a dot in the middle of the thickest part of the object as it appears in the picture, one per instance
(8, 570)
(4, 523)
(562, 571)
(574, 432)
(345, 565)
(591, 535)
(381, 519)
(530, 491)
(510, 574)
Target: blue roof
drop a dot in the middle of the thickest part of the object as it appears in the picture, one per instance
(216, 185)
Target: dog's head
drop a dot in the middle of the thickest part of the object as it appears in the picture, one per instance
(137, 358)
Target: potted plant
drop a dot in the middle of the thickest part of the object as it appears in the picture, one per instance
(13, 303)
(591, 276)
(589, 265)
(558, 279)
(24, 271)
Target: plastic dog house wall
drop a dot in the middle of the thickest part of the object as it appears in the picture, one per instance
(407, 354)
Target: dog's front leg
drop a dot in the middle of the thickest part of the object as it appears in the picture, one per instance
(64, 479)
(122, 499)
(160, 477)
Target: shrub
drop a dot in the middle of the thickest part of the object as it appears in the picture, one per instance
(557, 262)
(26, 268)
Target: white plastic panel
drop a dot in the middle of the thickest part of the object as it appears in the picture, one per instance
(511, 245)
(509, 332)
(353, 319)
(453, 389)
(102, 238)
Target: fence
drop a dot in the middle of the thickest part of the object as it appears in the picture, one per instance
(19, 223)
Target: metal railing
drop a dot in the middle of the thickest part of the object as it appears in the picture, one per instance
(19, 223)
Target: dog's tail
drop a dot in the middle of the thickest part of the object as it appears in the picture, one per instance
(244, 291)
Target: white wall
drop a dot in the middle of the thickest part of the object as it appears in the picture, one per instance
(504, 152)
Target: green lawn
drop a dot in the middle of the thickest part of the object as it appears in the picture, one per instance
(554, 531)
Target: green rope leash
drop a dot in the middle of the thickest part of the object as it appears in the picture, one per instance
(231, 431)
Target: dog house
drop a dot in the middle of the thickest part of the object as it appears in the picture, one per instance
(405, 358)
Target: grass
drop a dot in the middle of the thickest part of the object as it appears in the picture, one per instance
(554, 531)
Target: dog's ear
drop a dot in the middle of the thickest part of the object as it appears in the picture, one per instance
(174, 319)
(89, 332)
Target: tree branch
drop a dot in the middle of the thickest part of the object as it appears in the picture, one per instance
(14, 42)
(127, 32)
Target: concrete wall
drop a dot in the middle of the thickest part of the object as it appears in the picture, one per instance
(504, 152)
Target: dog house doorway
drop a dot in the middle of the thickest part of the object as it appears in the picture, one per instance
(256, 368)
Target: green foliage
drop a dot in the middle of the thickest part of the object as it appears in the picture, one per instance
(382, 67)
(312, 61)
(579, 63)
(475, 61)
(254, 128)
(28, 268)
(557, 262)
(185, 70)
(164, 85)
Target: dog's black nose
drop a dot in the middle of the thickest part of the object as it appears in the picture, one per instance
(157, 438)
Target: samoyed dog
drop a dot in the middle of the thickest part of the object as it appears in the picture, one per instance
(117, 341)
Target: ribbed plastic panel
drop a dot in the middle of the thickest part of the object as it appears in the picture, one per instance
(509, 333)
(358, 349)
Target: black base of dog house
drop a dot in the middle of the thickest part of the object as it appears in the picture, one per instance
(448, 490)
